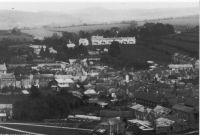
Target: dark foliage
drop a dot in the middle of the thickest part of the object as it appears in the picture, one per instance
(114, 49)
(38, 107)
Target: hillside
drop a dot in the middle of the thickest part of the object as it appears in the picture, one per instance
(8, 35)
(186, 43)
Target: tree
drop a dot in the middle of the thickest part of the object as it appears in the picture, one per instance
(46, 53)
(16, 31)
(114, 49)
(34, 92)
(42, 53)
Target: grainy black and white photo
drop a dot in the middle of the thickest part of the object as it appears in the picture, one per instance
(99, 67)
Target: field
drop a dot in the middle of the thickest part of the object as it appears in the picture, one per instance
(76, 29)
(47, 32)
(40, 32)
(15, 37)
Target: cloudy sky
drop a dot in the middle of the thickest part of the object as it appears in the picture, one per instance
(74, 5)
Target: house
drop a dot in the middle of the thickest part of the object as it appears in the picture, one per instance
(83, 41)
(3, 68)
(184, 112)
(7, 80)
(6, 112)
(24, 81)
(42, 80)
(140, 111)
(60, 83)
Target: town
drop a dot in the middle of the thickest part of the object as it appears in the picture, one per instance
(103, 82)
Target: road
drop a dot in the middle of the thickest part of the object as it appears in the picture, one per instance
(38, 129)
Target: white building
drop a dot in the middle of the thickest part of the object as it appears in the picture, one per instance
(180, 66)
(83, 41)
(100, 40)
(71, 45)
(64, 83)
(53, 51)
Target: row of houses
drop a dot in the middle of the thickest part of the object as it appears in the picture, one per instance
(100, 40)
(40, 80)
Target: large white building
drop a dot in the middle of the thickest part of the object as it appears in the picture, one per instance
(100, 40)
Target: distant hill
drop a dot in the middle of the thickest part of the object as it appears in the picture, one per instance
(10, 19)
(93, 15)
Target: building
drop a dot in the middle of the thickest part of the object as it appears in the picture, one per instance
(70, 45)
(61, 83)
(6, 112)
(7, 80)
(37, 48)
(42, 80)
(147, 99)
(180, 66)
(140, 111)
(52, 51)
(182, 59)
(3, 68)
(111, 126)
(164, 125)
(184, 112)
(83, 41)
(100, 40)
(24, 81)
(160, 111)
(196, 65)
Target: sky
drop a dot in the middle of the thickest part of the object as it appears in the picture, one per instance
(74, 5)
